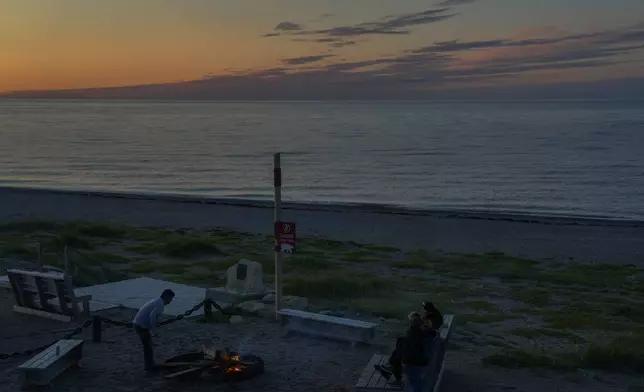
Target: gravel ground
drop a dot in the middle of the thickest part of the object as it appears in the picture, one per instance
(293, 363)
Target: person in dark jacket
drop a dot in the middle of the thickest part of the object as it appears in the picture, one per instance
(395, 366)
(416, 352)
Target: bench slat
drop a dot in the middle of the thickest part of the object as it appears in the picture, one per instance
(369, 371)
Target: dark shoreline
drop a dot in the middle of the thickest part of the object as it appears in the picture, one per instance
(343, 207)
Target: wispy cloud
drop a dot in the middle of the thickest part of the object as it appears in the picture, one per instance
(388, 25)
(322, 17)
(451, 3)
(306, 59)
(289, 26)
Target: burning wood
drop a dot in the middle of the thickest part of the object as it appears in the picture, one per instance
(214, 363)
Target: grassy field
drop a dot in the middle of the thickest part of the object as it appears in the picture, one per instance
(511, 312)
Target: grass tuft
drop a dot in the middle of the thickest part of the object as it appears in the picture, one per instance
(335, 286)
(186, 247)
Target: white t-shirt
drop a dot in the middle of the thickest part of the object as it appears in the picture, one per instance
(149, 314)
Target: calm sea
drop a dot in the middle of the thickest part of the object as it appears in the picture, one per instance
(571, 158)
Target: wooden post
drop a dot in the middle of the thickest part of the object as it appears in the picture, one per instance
(207, 310)
(68, 272)
(40, 258)
(96, 329)
(277, 183)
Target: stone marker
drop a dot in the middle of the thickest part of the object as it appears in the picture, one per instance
(244, 281)
(236, 319)
(245, 277)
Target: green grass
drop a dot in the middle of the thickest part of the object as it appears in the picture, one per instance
(146, 267)
(570, 319)
(324, 244)
(143, 249)
(390, 308)
(186, 247)
(481, 305)
(413, 264)
(105, 257)
(142, 267)
(531, 359)
(535, 297)
(534, 333)
(380, 248)
(359, 256)
(335, 286)
(300, 263)
(598, 276)
(97, 230)
(208, 280)
(486, 318)
(17, 249)
(623, 354)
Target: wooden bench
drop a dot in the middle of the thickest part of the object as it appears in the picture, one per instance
(372, 380)
(354, 331)
(47, 294)
(43, 368)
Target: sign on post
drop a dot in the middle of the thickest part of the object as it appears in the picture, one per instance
(285, 236)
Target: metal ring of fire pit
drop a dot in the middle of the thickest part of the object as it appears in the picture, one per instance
(237, 368)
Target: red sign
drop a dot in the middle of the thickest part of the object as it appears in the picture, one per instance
(285, 236)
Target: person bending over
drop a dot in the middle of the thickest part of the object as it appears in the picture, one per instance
(146, 321)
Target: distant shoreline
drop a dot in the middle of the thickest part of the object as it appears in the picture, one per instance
(369, 208)
(535, 238)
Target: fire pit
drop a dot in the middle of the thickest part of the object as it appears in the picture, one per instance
(220, 366)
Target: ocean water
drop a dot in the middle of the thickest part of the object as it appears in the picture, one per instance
(561, 158)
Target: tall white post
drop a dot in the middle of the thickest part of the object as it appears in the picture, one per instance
(277, 183)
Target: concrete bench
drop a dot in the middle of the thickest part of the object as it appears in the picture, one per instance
(354, 331)
(43, 368)
(372, 380)
(47, 294)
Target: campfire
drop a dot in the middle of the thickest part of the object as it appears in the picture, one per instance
(217, 365)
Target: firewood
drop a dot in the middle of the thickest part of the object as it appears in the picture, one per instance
(186, 371)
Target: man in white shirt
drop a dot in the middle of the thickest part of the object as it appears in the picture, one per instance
(146, 321)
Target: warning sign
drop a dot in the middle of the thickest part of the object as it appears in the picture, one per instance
(285, 236)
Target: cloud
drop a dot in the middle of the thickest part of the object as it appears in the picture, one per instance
(415, 74)
(306, 59)
(323, 17)
(288, 26)
(332, 42)
(388, 25)
(452, 3)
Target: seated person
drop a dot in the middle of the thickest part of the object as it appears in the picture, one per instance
(432, 320)
(416, 352)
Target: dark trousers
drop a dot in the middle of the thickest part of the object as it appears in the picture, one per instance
(395, 359)
(146, 340)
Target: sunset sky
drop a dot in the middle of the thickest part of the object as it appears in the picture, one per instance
(397, 45)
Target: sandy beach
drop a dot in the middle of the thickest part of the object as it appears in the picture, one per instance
(540, 303)
(585, 240)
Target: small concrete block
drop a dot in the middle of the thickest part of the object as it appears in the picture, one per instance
(236, 319)
(269, 299)
(293, 302)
